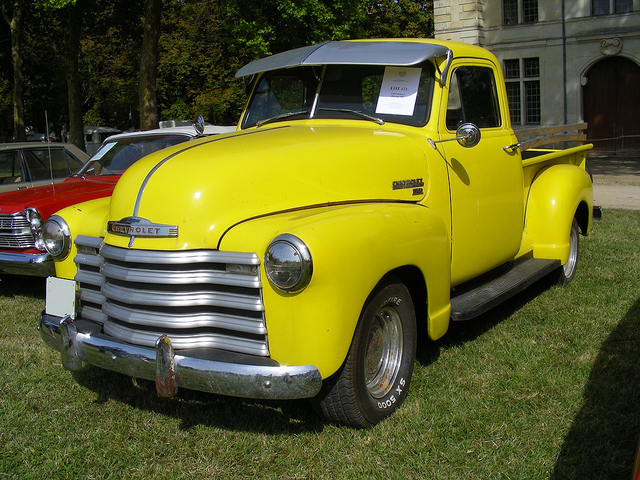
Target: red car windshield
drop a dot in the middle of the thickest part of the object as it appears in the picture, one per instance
(115, 157)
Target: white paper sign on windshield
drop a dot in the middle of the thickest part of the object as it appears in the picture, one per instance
(104, 149)
(399, 91)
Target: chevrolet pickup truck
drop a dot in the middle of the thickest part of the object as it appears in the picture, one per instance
(373, 190)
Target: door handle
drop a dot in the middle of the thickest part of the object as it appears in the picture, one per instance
(513, 147)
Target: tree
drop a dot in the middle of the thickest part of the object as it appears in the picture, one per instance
(74, 88)
(15, 25)
(109, 63)
(399, 18)
(13, 13)
(149, 64)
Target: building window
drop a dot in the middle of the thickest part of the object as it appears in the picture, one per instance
(606, 7)
(532, 105)
(510, 12)
(520, 11)
(522, 77)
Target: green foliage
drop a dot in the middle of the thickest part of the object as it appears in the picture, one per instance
(6, 106)
(203, 44)
(400, 18)
(92, 117)
(54, 4)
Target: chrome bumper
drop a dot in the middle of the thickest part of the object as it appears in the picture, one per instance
(80, 342)
(37, 264)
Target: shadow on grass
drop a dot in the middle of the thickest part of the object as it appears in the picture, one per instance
(197, 408)
(602, 440)
(22, 285)
(460, 333)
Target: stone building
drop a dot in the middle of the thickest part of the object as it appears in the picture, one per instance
(565, 61)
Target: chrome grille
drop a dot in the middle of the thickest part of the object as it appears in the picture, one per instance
(201, 298)
(15, 231)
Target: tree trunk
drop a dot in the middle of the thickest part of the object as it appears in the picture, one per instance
(15, 25)
(149, 65)
(74, 88)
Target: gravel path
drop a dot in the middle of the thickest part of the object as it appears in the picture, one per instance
(616, 182)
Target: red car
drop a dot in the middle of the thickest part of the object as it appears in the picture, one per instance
(22, 213)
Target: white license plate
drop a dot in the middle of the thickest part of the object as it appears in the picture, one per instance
(61, 297)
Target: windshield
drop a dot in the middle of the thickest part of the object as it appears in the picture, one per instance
(115, 157)
(373, 92)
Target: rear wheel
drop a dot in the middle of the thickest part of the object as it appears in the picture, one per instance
(374, 380)
(568, 270)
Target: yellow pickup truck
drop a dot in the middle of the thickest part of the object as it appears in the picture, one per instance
(373, 189)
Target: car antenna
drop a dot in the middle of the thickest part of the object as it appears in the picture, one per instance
(46, 121)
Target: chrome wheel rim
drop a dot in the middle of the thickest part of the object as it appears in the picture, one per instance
(572, 261)
(383, 356)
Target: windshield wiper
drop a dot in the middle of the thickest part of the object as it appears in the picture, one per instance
(377, 120)
(281, 117)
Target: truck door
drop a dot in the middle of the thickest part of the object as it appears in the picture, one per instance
(486, 183)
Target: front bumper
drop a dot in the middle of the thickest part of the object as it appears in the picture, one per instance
(80, 342)
(37, 264)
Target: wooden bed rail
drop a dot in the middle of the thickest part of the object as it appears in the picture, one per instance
(544, 136)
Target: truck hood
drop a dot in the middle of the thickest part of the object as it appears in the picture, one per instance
(48, 199)
(212, 184)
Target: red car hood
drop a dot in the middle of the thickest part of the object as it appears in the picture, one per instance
(49, 199)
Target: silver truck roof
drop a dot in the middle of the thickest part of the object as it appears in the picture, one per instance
(397, 54)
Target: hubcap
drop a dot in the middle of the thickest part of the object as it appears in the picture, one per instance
(384, 352)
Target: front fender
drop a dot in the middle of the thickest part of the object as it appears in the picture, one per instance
(352, 248)
(556, 196)
(87, 218)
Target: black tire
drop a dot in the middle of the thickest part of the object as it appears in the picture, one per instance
(374, 380)
(565, 273)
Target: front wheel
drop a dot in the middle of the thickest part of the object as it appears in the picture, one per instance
(566, 273)
(374, 380)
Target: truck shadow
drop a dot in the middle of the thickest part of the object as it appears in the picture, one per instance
(460, 333)
(193, 408)
(604, 434)
(22, 285)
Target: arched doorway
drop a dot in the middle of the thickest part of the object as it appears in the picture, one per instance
(611, 99)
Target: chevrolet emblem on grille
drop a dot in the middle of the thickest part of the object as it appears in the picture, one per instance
(141, 227)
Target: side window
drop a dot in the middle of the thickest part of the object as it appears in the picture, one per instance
(73, 162)
(281, 94)
(10, 167)
(39, 161)
(473, 98)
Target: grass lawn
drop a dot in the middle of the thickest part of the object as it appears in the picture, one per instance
(546, 386)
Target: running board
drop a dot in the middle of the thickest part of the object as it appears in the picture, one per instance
(482, 297)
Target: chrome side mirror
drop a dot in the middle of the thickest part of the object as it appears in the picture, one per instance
(468, 136)
(199, 125)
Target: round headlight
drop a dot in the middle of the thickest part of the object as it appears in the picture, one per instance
(288, 263)
(35, 223)
(57, 237)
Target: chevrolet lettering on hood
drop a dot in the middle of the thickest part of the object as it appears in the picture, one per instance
(411, 183)
(141, 227)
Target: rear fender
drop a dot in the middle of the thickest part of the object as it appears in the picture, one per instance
(557, 195)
